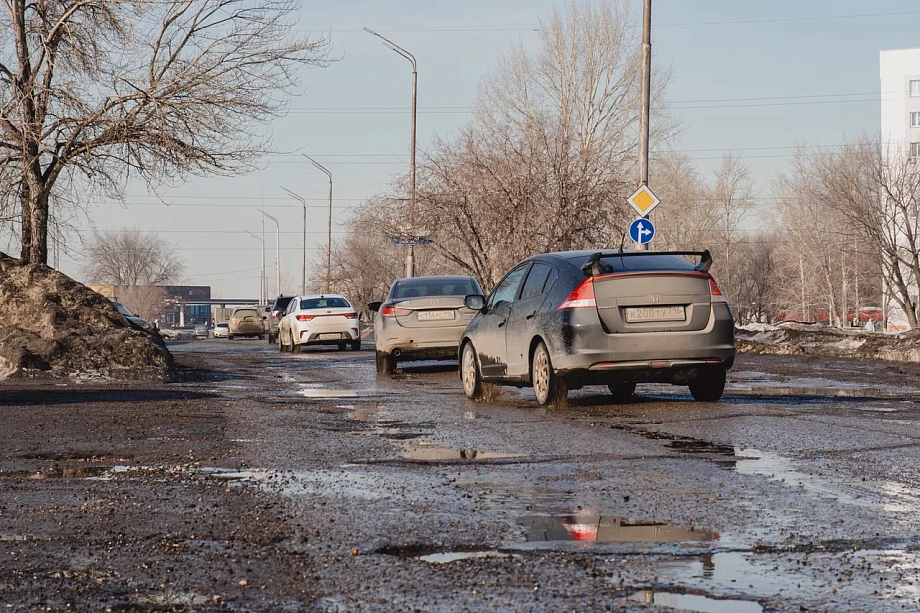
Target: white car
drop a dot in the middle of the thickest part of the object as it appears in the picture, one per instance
(321, 319)
(222, 330)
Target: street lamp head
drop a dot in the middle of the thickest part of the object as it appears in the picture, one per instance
(369, 31)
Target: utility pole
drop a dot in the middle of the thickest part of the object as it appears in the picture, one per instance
(303, 273)
(263, 297)
(646, 94)
(277, 250)
(410, 257)
(329, 225)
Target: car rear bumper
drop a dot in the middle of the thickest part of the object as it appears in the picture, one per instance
(420, 343)
(590, 355)
(314, 335)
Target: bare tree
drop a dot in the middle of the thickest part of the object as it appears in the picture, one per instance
(549, 157)
(830, 262)
(131, 257)
(685, 219)
(146, 301)
(93, 92)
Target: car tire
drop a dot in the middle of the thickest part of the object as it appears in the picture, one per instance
(622, 392)
(229, 337)
(293, 347)
(549, 388)
(386, 363)
(708, 386)
(342, 346)
(261, 337)
(470, 374)
(356, 345)
(280, 344)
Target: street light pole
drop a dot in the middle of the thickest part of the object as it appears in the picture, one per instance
(646, 94)
(303, 275)
(410, 257)
(277, 250)
(263, 298)
(329, 225)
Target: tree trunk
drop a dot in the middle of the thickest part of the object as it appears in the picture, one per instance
(38, 254)
(26, 234)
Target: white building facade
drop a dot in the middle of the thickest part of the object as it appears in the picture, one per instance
(899, 73)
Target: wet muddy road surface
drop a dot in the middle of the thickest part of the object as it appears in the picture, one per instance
(279, 482)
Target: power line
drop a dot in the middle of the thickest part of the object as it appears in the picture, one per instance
(785, 19)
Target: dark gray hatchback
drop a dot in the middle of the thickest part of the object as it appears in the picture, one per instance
(559, 321)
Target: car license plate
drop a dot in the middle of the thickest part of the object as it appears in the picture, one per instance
(326, 337)
(673, 313)
(435, 315)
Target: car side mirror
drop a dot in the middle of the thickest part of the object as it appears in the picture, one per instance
(475, 302)
(374, 306)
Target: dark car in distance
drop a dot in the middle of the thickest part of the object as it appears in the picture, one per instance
(559, 321)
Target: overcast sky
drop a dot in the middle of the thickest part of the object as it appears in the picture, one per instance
(748, 76)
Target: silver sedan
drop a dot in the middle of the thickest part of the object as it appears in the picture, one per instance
(422, 319)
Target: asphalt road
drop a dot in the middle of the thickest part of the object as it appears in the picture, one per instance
(280, 482)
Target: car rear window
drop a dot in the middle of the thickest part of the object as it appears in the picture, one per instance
(282, 302)
(324, 303)
(246, 313)
(420, 289)
(222, 325)
(641, 263)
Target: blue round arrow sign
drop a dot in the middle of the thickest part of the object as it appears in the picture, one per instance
(641, 231)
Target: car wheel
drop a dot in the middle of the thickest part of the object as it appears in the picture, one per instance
(622, 392)
(386, 364)
(356, 345)
(271, 339)
(550, 389)
(280, 343)
(469, 372)
(229, 337)
(342, 346)
(708, 386)
(293, 347)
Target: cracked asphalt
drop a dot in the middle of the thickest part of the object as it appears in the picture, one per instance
(277, 482)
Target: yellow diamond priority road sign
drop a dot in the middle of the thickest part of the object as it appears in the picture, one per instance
(643, 200)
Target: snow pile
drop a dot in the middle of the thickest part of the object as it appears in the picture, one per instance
(51, 323)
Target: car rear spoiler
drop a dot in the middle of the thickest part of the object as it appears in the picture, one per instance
(594, 267)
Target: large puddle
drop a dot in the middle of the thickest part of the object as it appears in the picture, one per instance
(610, 529)
(695, 602)
(426, 452)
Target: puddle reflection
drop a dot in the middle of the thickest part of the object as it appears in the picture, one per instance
(453, 556)
(81, 472)
(423, 452)
(610, 529)
(695, 602)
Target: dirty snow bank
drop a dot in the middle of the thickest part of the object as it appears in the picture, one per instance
(821, 341)
(51, 323)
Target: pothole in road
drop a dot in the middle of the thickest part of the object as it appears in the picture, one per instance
(426, 452)
(78, 472)
(695, 602)
(610, 529)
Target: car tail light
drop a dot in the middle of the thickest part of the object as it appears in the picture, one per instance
(392, 311)
(276, 313)
(581, 297)
(233, 320)
(714, 291)
(305, 317)
(350, 315)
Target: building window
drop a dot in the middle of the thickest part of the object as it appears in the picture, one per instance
(914, 150)
(914, 89)
(915, 119)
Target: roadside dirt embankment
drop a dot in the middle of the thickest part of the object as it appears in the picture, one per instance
(821, 341)
(51, 324)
